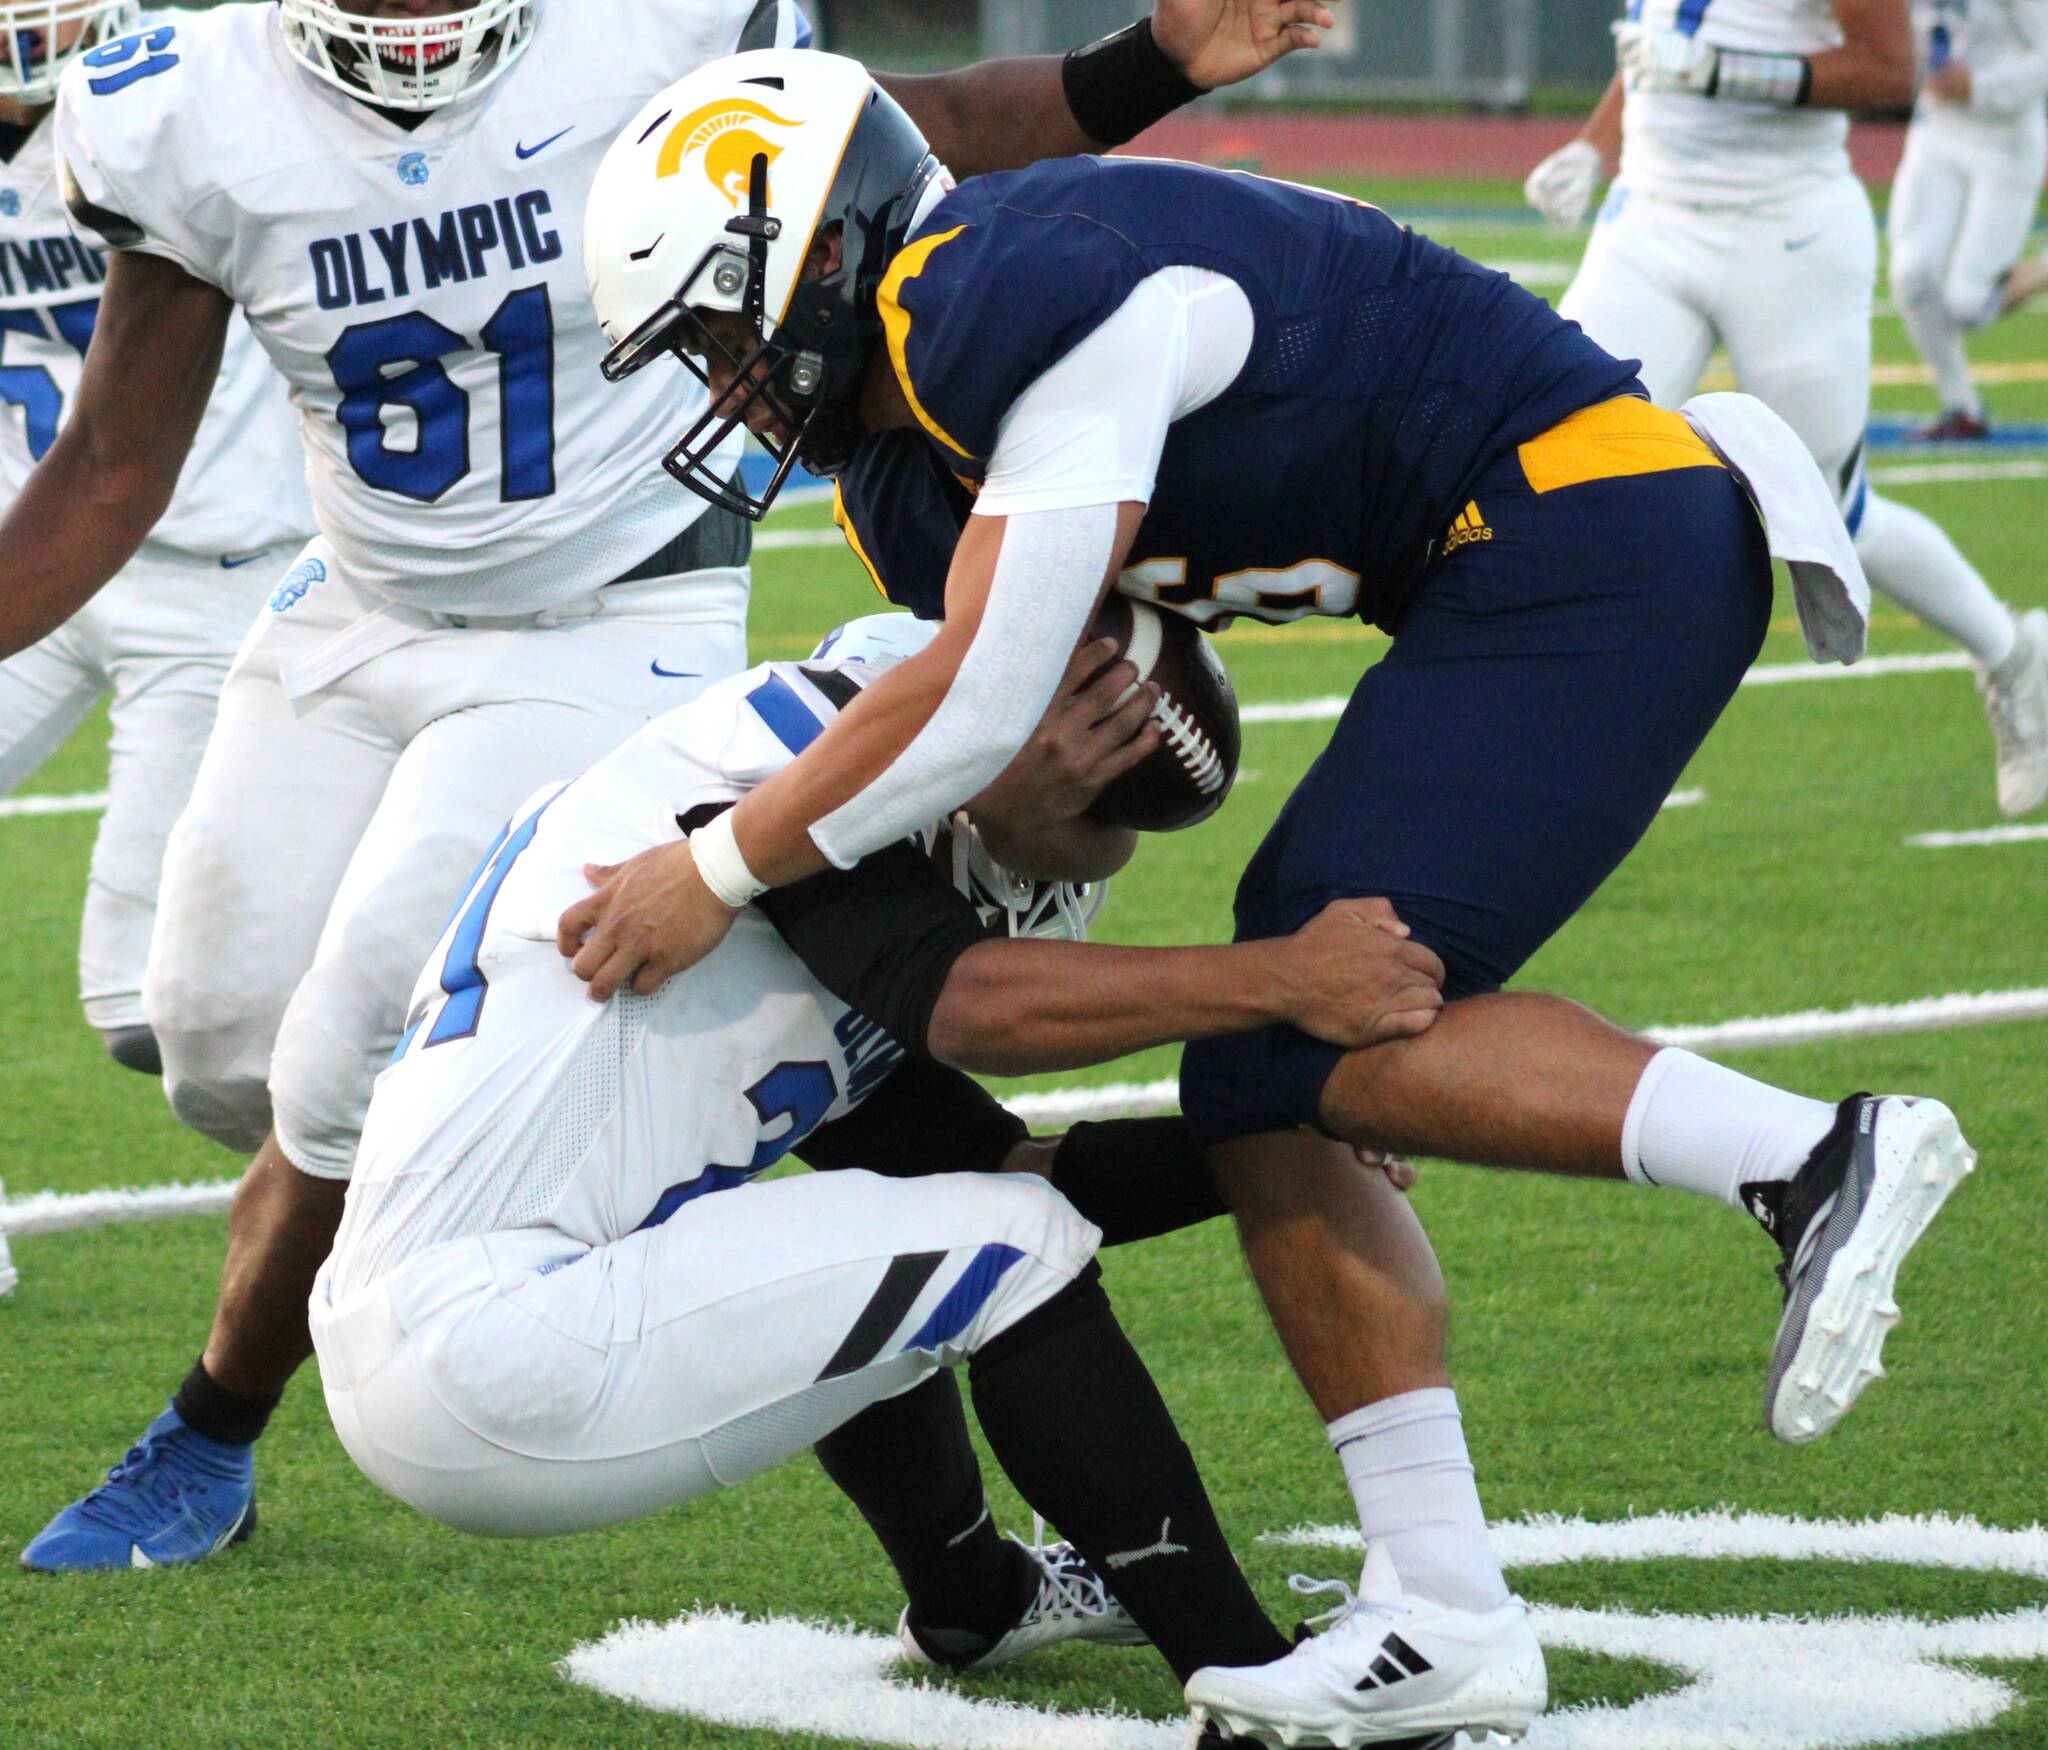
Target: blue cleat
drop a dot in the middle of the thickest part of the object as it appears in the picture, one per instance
(176, 1497)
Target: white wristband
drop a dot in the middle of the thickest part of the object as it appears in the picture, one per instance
(1742, 77)
(716, 853)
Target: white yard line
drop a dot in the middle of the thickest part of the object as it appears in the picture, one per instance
(1950, 473)
(90, 803)
(58, 1212)
(1990, 835)
(55, 1212)
(1769, 674)
(1324, 710)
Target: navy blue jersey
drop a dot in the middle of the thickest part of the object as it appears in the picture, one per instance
(1385, 373)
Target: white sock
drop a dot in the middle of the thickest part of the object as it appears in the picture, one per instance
(1704, 1128)
(1913, 562)
(1939, 338)
(1411, 1476)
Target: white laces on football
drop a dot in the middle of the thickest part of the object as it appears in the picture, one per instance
(1066, 1583)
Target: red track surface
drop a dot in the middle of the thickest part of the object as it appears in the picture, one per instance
(1370, 144)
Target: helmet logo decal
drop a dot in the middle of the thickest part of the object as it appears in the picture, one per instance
(723, 132)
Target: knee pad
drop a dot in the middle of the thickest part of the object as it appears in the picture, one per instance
(1913, 281)
(1971, 305)
(233, 1111)
(134, 1048)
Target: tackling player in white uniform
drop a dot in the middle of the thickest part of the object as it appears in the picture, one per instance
(1963, 200)
(160, 637)
(1737, 221)
(503, 585)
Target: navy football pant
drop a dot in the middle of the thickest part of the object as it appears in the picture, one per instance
(1544, 692)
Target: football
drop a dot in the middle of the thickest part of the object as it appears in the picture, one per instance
(1186, 780)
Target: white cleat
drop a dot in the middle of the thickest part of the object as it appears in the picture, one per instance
(1390, 1669)
(1072, 1604)
(2016, 700)
(1845, 1223)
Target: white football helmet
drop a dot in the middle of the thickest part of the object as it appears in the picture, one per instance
(408, 63)
(1027, 907)
(710, 202)
(46, 36)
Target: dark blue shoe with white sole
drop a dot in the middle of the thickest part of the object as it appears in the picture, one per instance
(176, 1497)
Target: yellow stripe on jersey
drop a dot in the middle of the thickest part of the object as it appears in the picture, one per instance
(909, 263)
(852, 535)
(1608, 442)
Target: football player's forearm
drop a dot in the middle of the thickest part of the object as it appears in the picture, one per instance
(1603, 127)
(1863, 75)
(1876, 66)
(1019, 1007)
(78, 520)
(994, 115)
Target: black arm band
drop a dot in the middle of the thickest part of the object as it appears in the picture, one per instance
(925, 1118)
(881, 937)
(1118, 87)
(1136, 1177)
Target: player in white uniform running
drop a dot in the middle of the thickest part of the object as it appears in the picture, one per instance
(160, 637)
(557, 1301)
(504, 585)
(1963, 200)
(1737, 221)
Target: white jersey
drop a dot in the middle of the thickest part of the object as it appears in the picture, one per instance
(2004, 43)
(421, 289)
(243, 487)
(502, 1106)
(1712, 152)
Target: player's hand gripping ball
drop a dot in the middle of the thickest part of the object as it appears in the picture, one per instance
(1187, 777)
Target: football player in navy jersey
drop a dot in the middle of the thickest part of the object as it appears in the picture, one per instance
(1238, 397)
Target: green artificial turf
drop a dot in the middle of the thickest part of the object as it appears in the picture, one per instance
(1609, 1343)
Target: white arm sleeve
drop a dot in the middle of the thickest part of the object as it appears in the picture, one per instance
(1048, 571)
(1091, 429)
(1083, 439)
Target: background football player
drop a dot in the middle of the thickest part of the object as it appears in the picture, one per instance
(1140, 365)
(159, 638)
(1738, 222)
(503, 585)
(1963, 200)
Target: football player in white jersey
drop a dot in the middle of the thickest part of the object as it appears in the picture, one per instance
(540, 1174)
(1964, 197)
(503, 586)
(160, 637)
(1737, 221)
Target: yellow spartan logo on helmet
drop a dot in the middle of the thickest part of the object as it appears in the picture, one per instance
(724, 133)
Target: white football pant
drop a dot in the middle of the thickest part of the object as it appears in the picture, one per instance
(523, 1383)
(363, 759)
(158, 639)
(1787, 290)
(1962, 204)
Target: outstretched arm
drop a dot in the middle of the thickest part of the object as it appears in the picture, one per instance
(998, 115)
(88, 504)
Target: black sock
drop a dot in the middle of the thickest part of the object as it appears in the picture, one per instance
(211, 1409)
(1076, 1421)
(909, 1467)
(1136, 1177)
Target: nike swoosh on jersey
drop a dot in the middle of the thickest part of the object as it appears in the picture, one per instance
(674, 674)
(1801, 242)
(234, 562)
(526, 151)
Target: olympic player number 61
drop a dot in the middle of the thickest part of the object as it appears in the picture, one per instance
(521, 332)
